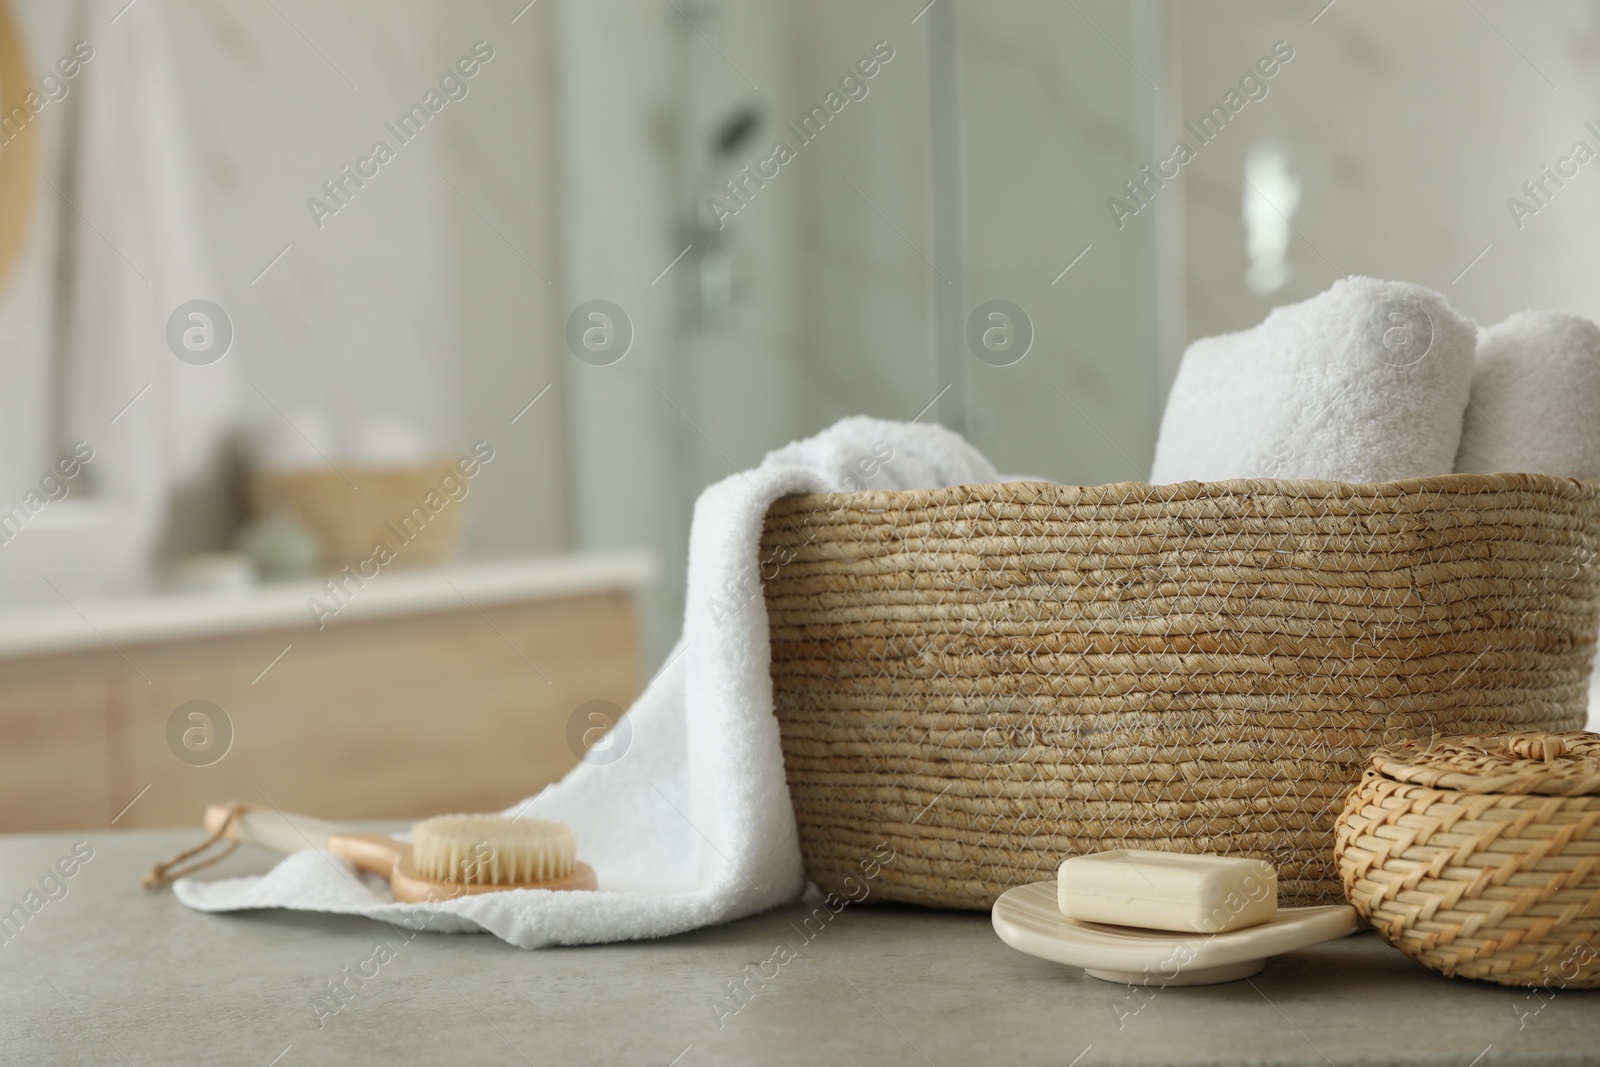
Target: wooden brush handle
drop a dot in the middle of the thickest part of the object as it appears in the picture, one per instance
(370, 852)
(270, 829)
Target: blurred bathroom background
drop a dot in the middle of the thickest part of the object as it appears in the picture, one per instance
(431, 305)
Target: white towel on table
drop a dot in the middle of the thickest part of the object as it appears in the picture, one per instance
(692, 825)
(1365, 382)
(1535, 398)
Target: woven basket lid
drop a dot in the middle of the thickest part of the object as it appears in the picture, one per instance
(1555, 765)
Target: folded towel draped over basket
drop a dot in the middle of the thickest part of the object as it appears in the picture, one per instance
(691, 825)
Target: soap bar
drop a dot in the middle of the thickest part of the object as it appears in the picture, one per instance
(1168, 890)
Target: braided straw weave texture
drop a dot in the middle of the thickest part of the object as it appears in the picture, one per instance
(991, 678)
(1480, 856)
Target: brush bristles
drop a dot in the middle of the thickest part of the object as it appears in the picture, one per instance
(492, 850)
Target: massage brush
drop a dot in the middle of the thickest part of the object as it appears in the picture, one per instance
(449, 856)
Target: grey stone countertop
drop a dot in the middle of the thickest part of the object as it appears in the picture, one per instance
(111, 974)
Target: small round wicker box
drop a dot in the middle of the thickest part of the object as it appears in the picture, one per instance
(1480, 856)
(987, 679)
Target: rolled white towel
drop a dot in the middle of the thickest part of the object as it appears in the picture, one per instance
(1535, 398)
(1535, 391)
(1365, 382)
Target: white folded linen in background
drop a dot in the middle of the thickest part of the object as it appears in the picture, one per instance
(691, 823)
(1365, 382)
(1535, 398)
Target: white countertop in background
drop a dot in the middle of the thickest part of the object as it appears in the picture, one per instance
(168, 617)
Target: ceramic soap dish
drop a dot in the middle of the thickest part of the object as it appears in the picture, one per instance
(1029, 919)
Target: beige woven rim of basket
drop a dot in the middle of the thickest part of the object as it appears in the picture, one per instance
(1480, 856)
(987, 679)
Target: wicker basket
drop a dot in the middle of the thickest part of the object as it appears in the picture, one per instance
(406, 508)
(1480, 856)
(990, 678)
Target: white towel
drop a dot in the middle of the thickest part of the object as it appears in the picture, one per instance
(1536, 407)
(1365, 382)
(692, 825)
(1535, 398)
(136, 253)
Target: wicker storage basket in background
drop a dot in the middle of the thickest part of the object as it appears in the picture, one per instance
(1480, 856)
(389, 507)
(990, 678)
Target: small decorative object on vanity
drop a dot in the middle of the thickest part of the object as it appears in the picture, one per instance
(279, 548)
(1162, 918)
(1480, 856)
